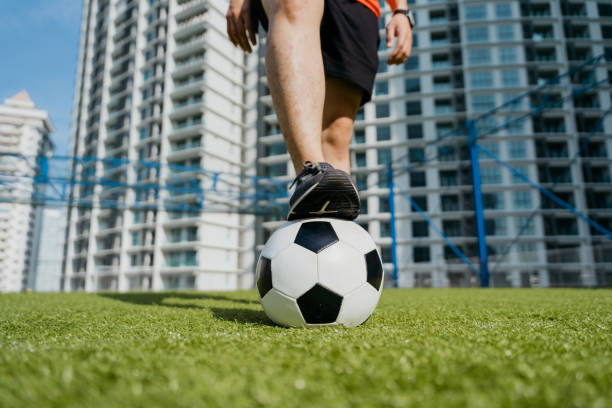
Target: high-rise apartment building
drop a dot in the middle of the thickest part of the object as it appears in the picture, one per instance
(158, 81)
(24, 135)
(470, 56)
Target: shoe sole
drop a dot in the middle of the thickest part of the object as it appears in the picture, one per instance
(333, 196)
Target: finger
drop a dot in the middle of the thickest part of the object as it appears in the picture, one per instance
(241, 34)
(398, 47)
(246, 21)
(231, 30)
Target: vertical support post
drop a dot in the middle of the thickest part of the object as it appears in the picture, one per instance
(43, 163)
(391, 185)
(478, 204)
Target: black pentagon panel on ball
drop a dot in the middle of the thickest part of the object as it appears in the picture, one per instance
(375, 269)
(316, 236)
(264, 276)
(320, 305)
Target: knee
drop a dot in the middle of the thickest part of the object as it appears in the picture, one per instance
(338, 133)
(294, 11)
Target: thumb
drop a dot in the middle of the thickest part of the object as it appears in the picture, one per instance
(390, 31)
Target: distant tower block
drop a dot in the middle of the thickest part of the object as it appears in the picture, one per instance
(24, 130)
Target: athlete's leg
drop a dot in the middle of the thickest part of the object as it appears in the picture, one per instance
(294, 66)
(342, 100)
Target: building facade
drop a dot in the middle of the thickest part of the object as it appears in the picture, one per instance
(469, 57)
(24, 135)
(51, 250)
(159, 82)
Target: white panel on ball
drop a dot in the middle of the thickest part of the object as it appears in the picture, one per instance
(341, 268)
(282, 309)
(358, 305)
(294, 270)
(353, 234)
(280, 239)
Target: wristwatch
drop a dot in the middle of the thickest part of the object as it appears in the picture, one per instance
(408, 14)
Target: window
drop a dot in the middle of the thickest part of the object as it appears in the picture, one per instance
(413, 108)
(496, 226)
(417, 179)
(493, 147)
(420, 229)
(412, 85)
(385, 229)
(478, 12)
(360, 159)
(360, 114)
(190, 258)
(416, 155)
(517, 150)
(192, 234)
(503, 10)
(524, 226)
(412, 63)
(479, 56)
(521, 200)
(383, 133)
(505, 32)
(481, 80)
(523, 170)
(452, 228)
(527, 252)
(483, 103)
(381, 88)
(361, 181)
(382, 65)
(510, 78)
(138, 217)
(421, 254)
(605, 10)
(491, 175)
(414, 131)
(478, 34)
(493, 201)
(384, 156)
(448, 178)
(383, 204)
(421, 201)
(276, 170)
(507, 55)
(382, 110)
(515, 127)
(359, 136)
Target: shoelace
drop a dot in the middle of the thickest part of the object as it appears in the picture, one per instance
(309, 168)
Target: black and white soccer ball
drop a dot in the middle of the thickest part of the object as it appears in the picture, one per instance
(319, 272)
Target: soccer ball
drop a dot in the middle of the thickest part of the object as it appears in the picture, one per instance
(318, 272)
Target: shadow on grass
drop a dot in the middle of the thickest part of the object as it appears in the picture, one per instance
(241, 315)
(164, 299)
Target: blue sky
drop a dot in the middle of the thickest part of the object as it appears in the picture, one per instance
(39, 40)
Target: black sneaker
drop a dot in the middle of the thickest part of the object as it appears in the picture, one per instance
(322, 191)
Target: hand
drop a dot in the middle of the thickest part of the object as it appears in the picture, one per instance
(399, 27)
(240, 27)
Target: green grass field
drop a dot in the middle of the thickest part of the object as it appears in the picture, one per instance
(476, 348)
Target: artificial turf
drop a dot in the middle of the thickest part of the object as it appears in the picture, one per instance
(475, 348)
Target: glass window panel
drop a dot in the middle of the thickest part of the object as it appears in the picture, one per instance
(481, 80)
(479, 56)
(478, 34)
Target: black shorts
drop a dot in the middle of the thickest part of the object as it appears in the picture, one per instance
(349, 42)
